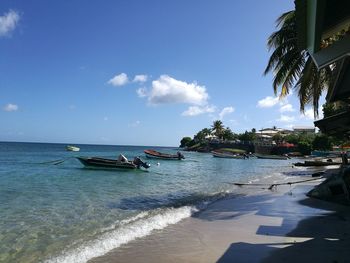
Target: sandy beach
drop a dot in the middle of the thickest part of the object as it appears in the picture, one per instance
(274, 226)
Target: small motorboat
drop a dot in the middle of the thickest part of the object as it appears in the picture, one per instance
(157, 155)
(72, 148)
(272, 157)
(121, 163)
(228, 155)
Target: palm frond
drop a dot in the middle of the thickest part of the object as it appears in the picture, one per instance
(294, 68)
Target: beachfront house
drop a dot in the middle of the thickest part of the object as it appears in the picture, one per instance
(303, 129)
(324, 31)
(267, 134)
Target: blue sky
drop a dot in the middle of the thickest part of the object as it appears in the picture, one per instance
(137, 72)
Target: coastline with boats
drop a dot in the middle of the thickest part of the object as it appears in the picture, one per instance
(143, 189)
(132, 201)
(114, 73)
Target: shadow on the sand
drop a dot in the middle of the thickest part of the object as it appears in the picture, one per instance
(314, 230)
(311, 251)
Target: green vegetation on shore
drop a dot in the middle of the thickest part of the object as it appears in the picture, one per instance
(221, 137)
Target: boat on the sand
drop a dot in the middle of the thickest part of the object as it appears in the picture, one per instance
(316, 163)
(121, 163)
(72, 148)
(165, 156)
(228, 155)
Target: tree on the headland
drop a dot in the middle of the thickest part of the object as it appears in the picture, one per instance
(247, 136)
(228, 134)
(294, 67)
(218, 128)
(202, 134)
(185, 141)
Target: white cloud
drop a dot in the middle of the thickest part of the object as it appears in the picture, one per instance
(11, 107)
(286, 118)
(287, 108)
(169, 90)
(141, 92)
(197, 110)
(308, 114)
(135, 124)
(119, 80)
(8, 22)
(289, 126)
(268, 102)
(225, 111)
(140, 78)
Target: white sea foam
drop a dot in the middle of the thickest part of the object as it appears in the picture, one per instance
(127, 232)
(125, 221)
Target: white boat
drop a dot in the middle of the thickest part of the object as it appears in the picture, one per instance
(72, 148)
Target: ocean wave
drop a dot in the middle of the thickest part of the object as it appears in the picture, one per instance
(122, 235)
(138, 226)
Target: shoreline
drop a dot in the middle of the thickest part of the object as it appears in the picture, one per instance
(270, 226)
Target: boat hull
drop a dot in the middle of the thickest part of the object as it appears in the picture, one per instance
(95, 162)
(72, 148)
(227, 155)
(163, 156)
(271, 157)
(316, 163)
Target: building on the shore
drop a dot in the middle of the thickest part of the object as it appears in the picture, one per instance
(303, 129)
(267, 134)
(324, 30)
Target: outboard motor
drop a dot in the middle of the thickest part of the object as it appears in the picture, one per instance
(137, 161)
(180, 155)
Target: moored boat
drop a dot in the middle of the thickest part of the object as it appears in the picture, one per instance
(72, 148)
(120, 163)
(165, 156)
(227, 155)
(272, 157)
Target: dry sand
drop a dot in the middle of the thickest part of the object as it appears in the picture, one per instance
(280, 226)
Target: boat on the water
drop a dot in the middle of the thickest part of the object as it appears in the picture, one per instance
(121, 163)
(228, 155)
(273, 157)
(72, 148)
(165, 156)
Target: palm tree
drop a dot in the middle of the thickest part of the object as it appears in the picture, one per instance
(206, 131)
(218, 127)
(228, 134)
(294, 67)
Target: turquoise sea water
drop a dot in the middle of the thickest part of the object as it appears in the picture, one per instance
(67, 213)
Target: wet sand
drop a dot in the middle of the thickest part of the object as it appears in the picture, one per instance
(279, 226)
